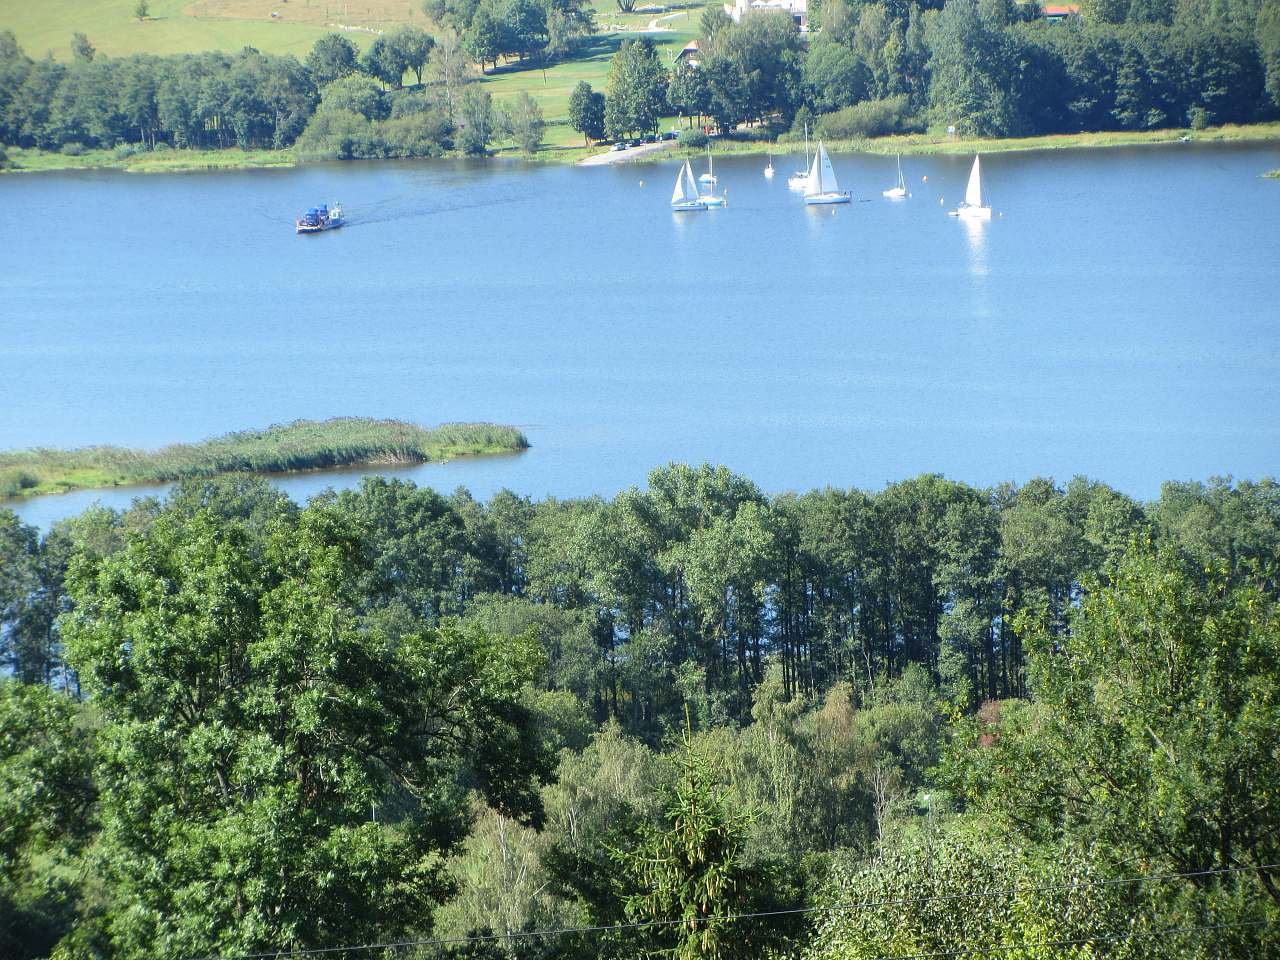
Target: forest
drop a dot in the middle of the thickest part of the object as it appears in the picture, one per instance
(982, 67)
(690, 721)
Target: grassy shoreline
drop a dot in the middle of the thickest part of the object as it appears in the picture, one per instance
(926, 144)
(282, 448)
(185, 161)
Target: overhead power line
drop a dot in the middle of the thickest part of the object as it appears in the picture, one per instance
(790, 911)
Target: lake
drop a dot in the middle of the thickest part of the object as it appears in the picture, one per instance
(1116, 318)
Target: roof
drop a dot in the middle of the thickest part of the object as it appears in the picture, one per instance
(1060, 10)
(688, 50)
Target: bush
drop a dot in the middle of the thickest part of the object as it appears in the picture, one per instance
(693, 139)
(15, 480)
(161, 147)
(870, 118)
(416, 135)
(72, 149)
(1198, 118)
(124, 151)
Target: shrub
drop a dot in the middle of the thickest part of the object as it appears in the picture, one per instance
(416, 135)
(870, 118)
(15, 480)
(161, 147)
(124, 151)
(72, 149)
(1198, 118)
(693, 139)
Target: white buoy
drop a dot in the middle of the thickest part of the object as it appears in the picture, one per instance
(925, 178)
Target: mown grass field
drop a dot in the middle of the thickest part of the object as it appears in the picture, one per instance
(45, 27)
(300, 445)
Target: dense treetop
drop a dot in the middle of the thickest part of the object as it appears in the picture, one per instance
(235, 725)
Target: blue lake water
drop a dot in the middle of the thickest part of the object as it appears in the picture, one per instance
(1118, 317)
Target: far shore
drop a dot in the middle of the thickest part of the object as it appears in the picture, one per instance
(188, 161)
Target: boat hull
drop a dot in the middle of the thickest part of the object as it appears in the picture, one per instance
(688, 206)
(896, 193)
(716, 201)
(972, 213)
(798, 181)
(827, 198)
(317, 227)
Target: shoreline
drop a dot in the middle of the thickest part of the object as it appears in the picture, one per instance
(302, 446)
(30, 160)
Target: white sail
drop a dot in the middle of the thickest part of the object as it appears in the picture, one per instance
(829, 184)
(973, 194)
(813, 183)
(902, 183)
(822, 178)
(678, 194)
(690, 185)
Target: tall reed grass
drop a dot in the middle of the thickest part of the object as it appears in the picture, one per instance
(300, 445)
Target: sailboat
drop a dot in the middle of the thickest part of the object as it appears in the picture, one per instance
(822, 186)
(768, 171)
(900, 191)
(972, 208)
(685, 196)
(709, 177)
(800, 179)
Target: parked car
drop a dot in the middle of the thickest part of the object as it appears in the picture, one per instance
(620, 145)
(651, 138)
(671, 135)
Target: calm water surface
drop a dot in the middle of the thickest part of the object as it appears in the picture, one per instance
(1118, 317)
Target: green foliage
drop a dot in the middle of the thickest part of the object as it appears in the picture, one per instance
(306, 795)
(965, 888)
(81, 48)
(300, 445)
(355, 94)
(637, 89)
(1148, 736)
(586, 111)
(690, 870)
(693, 140)
(477, 120)
(523, 119)
(332, 57)
(46, 798)
(414, 46)
(870, 118)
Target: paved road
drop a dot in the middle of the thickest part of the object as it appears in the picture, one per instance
(627, 155)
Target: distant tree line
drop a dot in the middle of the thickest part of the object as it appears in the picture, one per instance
(338, 102)
(984, 67)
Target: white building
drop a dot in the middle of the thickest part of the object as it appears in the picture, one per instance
(798, 9)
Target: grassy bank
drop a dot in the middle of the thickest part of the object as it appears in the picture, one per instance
(929, 144)
(1272, 174)
(162, 161)
(301, 445)
(565, 146)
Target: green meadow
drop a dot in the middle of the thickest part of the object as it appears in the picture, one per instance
(300, 445)
(45, 27)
